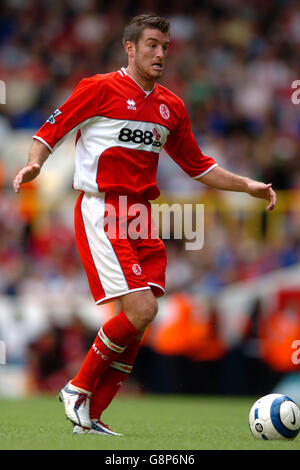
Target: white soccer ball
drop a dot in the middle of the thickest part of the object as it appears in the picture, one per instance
(274, 416)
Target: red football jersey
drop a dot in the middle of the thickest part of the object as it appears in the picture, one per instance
(121, 129)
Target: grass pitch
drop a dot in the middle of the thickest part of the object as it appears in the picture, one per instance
(148, 422)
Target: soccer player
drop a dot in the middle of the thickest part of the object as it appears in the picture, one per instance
(123, 120)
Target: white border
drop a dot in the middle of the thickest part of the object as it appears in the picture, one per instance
(98, 302)
(43, 141)
(206, 171)
(157, 285)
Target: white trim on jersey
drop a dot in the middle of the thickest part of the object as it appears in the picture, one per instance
(74, 129)
(206, 171)
(43, 141)
(147, 92)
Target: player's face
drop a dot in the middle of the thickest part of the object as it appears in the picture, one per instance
(148, 56)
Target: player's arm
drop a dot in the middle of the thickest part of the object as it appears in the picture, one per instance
(37, 156)
(183, 148)
(219, 178)
(81, 106)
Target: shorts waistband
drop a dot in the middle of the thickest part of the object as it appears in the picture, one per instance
(130, 197)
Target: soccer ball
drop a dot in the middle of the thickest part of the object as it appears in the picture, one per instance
(274, 416)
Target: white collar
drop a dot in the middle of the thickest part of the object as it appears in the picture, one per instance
(145, 91)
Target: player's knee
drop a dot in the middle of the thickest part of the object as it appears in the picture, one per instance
(148, 312)
(140, 308)
(143, 313)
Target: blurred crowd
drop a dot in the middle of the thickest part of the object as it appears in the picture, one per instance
(38, 252)
(232, 62)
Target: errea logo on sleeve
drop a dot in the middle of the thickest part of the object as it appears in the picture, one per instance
(51, 119)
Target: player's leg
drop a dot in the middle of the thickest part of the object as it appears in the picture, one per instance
(153, 261)
(113, 271)
(115, 376)
(110, 343)
(112, 380)
(139, 309)
(108, 386)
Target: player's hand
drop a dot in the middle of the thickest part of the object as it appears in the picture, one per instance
(28, 173)
(263, 191)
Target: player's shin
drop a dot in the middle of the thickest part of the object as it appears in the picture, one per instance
(109, 345)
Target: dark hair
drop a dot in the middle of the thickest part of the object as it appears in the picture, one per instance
(138, 23)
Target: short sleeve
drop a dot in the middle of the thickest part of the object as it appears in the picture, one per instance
(183, 148)
(82, 105)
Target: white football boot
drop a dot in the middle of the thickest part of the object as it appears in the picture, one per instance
(97, 428)
(77, 405)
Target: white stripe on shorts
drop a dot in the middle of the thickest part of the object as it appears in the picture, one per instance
(105, 259)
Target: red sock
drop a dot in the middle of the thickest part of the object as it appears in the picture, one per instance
(109, 344)
(109, 384)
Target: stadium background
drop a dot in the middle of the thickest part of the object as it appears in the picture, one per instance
(232, 311)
